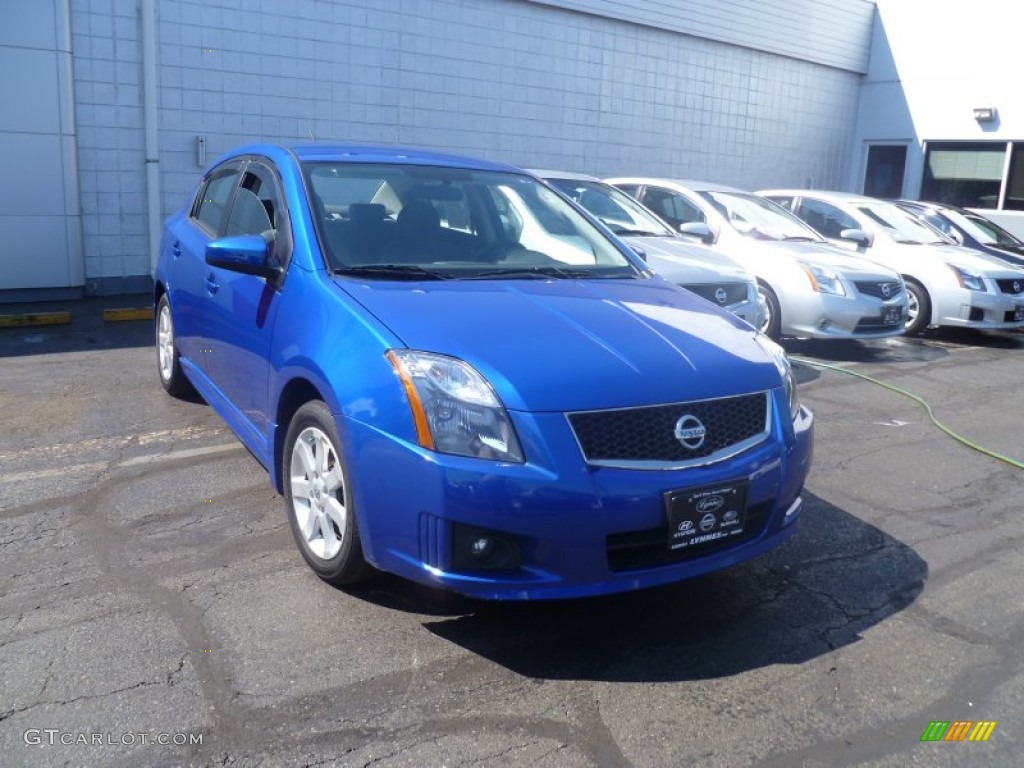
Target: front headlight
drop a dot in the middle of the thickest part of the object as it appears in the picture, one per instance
(454, 409)
(778, 356)
(968, 279)
(823, 279)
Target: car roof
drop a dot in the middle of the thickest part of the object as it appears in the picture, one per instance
(694, 184)
(370, 153)
(570, 175)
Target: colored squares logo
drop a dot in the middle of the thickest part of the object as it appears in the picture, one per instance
(958, 730)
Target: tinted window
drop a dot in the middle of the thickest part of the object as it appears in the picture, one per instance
(213, 199)
(453, 222)
(671, 206)
(825, 218)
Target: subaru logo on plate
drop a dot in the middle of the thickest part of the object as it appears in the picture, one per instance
(690, 432)
(721, 295)
(886, 290)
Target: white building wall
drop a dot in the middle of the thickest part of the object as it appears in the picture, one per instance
(513, 80)
(931, 65)
(40, 231)
(831, 32)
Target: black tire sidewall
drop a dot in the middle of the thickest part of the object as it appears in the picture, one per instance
(774, 329)
(348, 565)
(924, 308)
(176, 384)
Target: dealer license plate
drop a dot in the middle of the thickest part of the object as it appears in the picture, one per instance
(710, 515)
(892, 315)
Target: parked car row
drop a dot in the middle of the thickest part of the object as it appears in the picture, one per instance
(908, 266)
(520, 387)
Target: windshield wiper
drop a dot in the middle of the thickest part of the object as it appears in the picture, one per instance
(623, 232)
(538, 272)
(800, 239)
(396, 271)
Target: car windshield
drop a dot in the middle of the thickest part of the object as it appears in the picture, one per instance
(618, 211)
(759, 218)
(901, 226)
(983, 229)
(393, 221)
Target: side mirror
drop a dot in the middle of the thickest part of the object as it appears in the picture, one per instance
(699, 230)
(242, 253)
(858, 236)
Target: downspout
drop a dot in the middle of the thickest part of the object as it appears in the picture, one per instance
(149, 121)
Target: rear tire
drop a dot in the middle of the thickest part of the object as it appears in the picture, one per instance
(919, 308)
(771, 326)
(172, 377)
(318, 498)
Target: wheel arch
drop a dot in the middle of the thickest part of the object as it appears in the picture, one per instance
(296, 393)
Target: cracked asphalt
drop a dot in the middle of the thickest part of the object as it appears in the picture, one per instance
(149, 585)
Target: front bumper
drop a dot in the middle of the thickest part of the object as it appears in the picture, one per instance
(570, 522)
(980, 309)
(856, 316)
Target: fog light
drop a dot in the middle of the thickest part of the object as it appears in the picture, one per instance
(481, 548)
(824, 323)
(478, 549)
(977, 315)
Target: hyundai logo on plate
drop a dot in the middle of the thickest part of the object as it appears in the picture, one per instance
(690, 432)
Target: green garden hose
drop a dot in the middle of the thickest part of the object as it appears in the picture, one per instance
(916, 399)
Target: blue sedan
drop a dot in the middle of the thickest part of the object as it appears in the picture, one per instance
(453, 373)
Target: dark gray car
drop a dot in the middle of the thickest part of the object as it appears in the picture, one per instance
(970, 229)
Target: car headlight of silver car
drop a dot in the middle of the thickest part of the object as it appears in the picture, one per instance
(968, 278)
(823, 279)
(453, 407)
(778, 356)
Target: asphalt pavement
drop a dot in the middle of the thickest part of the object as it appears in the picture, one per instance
(155, 611)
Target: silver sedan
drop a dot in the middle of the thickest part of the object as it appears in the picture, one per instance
(948, 284)
(695, 267)
(810, 288)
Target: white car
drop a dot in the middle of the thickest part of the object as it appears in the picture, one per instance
(711, 275)
(948, 284)
(810, 288)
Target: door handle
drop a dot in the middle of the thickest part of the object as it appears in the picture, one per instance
(211, 284)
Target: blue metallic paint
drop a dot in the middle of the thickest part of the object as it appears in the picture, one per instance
(546, 347)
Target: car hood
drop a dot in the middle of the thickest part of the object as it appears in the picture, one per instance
(567, 345)
(854, 267)
(687, 264)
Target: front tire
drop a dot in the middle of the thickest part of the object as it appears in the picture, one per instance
(318, 498)
(919, 308)
(172, 377)
(771, 326)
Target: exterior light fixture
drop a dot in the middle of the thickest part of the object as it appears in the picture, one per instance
(984, 114)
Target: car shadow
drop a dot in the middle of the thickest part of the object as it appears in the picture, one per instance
(932, 345)
(836, 578)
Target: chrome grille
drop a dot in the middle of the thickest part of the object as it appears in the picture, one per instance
(880, 289)
(645, 437)
(722, 294)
